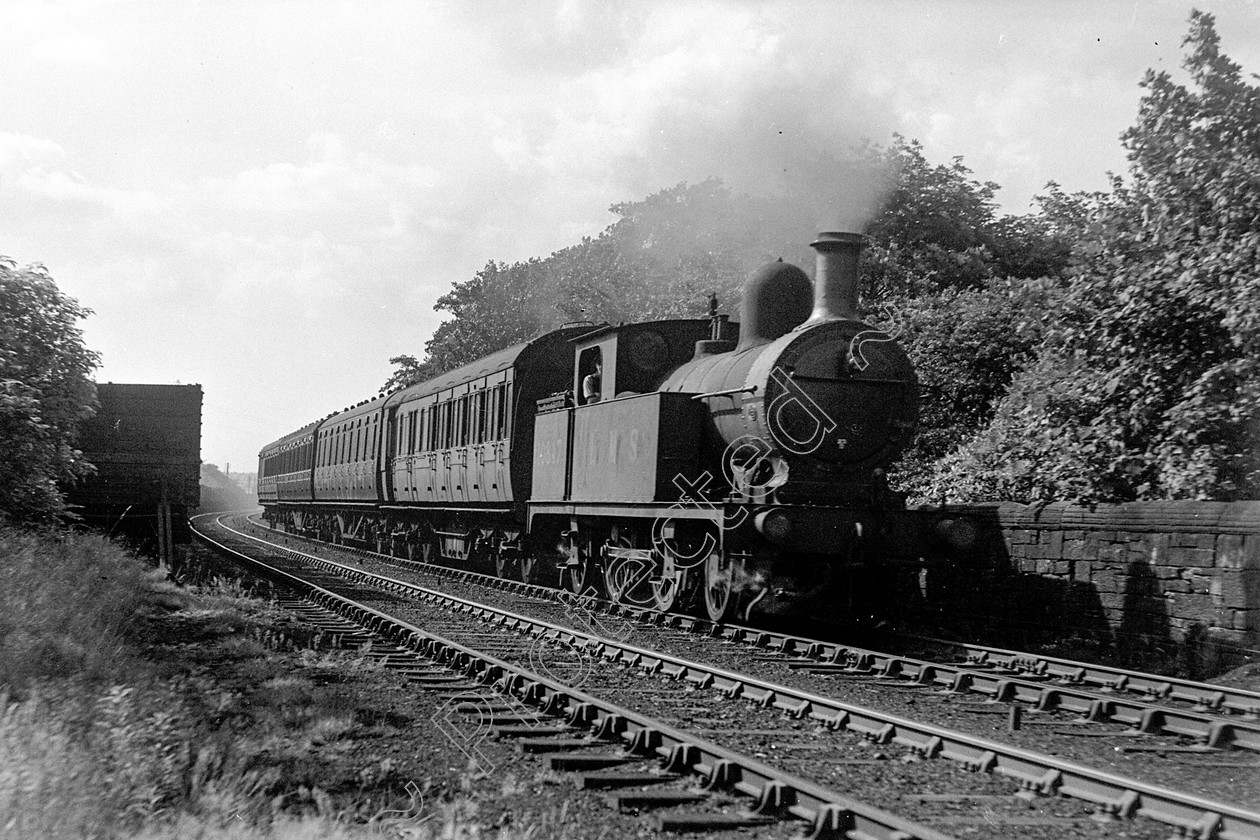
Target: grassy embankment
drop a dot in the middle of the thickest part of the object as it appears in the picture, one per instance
(132, 708)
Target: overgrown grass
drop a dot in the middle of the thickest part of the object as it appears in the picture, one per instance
(67, 605)
(212, 731)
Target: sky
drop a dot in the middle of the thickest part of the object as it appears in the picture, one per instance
(267, 198)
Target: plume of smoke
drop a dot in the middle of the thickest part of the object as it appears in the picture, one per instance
(805, 156)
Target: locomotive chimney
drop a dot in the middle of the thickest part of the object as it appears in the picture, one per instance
(836, 279)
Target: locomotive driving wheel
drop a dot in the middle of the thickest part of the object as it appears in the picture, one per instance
(624, 576)
(674, 588)
(721, 591)
(580, 574)
(672, 592)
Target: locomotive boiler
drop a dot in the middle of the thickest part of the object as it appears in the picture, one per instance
(681, 464)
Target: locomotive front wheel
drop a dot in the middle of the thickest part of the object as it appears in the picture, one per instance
(721, 593)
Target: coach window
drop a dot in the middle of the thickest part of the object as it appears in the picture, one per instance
(499, 400)
(461, 421)
(492, 412)
(505, 409)
(483, 415)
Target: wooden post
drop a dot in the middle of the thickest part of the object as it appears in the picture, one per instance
(166, 543)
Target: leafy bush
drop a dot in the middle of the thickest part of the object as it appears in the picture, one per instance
(967, 345)
(44, 393)
(1147, 384)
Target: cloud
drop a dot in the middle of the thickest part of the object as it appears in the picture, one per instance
(72, 49)
(19, 152)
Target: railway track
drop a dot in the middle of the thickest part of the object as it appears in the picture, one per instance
(481, 679)
(1214, 698)
(1035, 775)
(1214, 716)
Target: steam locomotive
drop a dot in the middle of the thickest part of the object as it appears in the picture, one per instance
(678, 464)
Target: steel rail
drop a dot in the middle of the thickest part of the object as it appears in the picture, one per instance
(1235, 701)
(1115, 795)
(827, 813)
(1068, 696)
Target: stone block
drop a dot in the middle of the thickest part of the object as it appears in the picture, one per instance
(1250, 558)
(1018, 536)
(1192, 540)
(1055, 544)
(1244, 619)
(1155, 547)
(1229, 551)
(1031, 551)
(1078, 550)
(1192, 606)
(1083, 572)
(1236, 588)
(1111, 601)
(1200, 583)
(1062, 568)
(1112, 553)
(1074, 535)
(1183, 556)
(1177, 586)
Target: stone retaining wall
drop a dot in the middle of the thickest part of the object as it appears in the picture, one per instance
(1143, 576)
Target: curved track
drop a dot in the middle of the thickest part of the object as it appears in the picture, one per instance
(1034, 773)
(775, 794)
(1148, 703)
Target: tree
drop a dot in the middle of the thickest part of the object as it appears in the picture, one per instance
(45, 392)
(1148, 384)
(967, 345)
